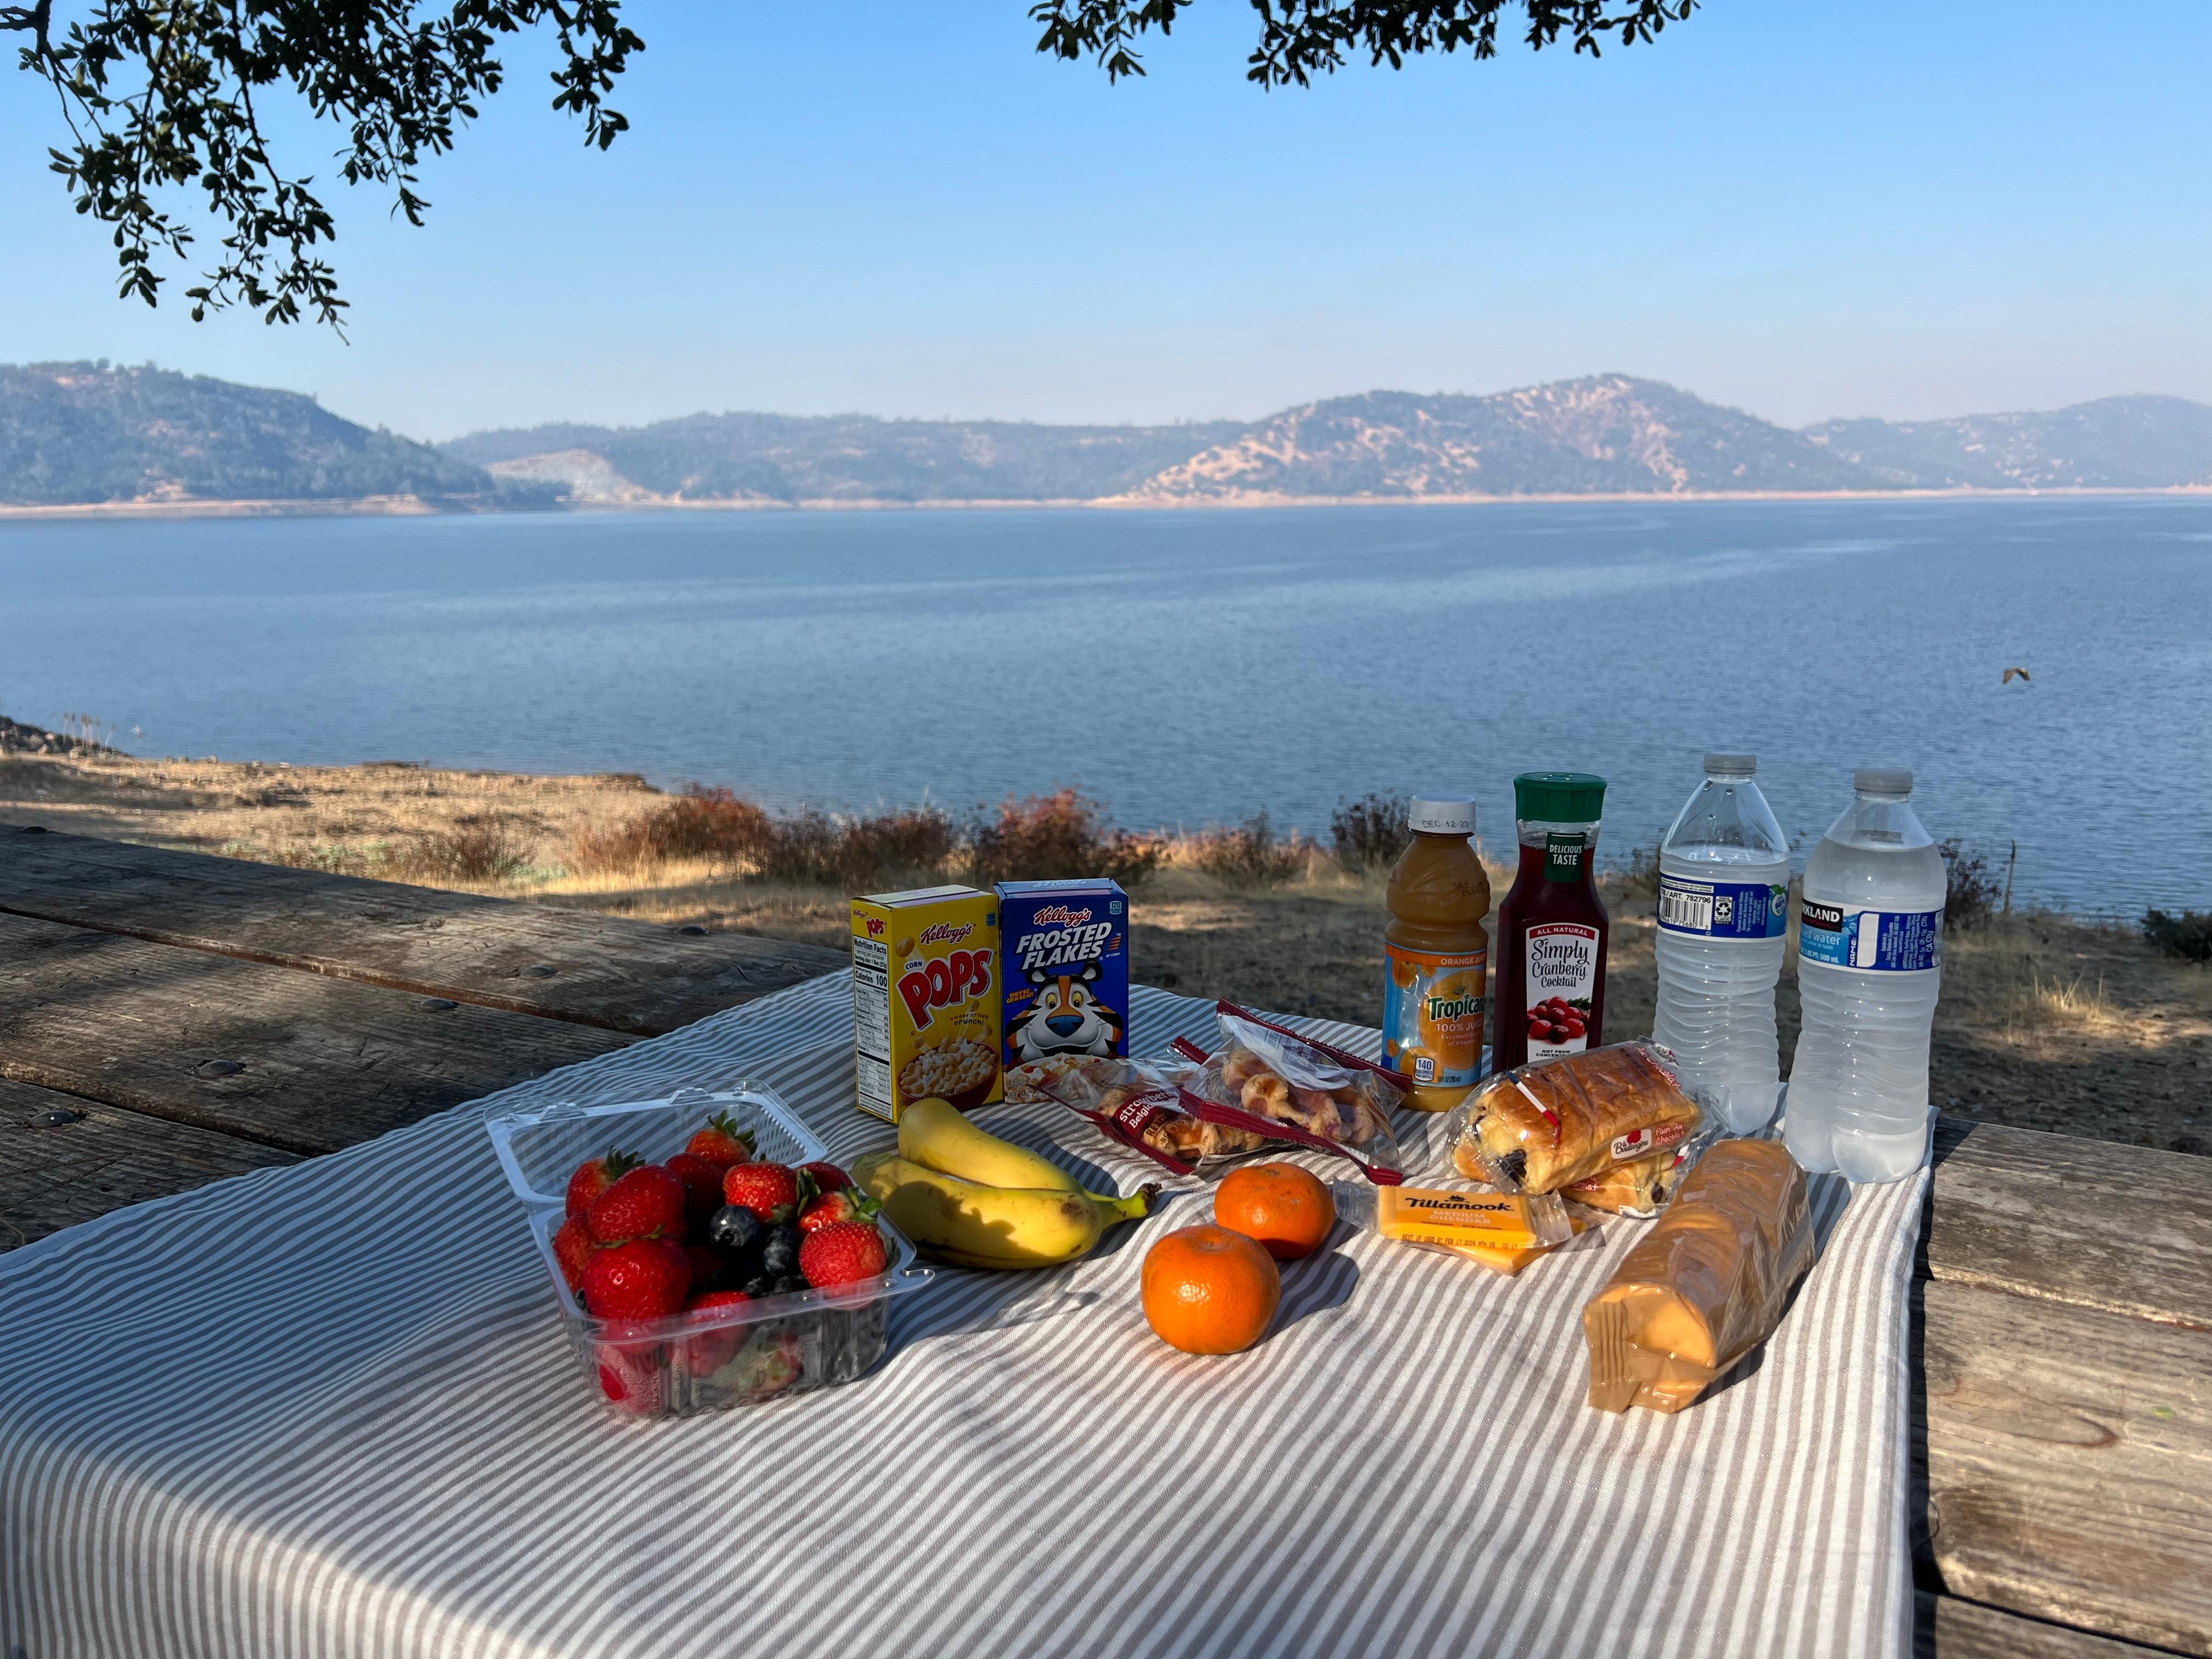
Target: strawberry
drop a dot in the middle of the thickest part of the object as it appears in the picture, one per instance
(706, 1267)
(827, 1176)
(574, 1247)
(722, 1143)
(645, 1278)
(770, 1191)
(707, 1352)
(648, 1203)
(629, 1371)
(773, 1370)
(844, 1205)
(594, 1177)
(842, 1253)
(702, 1186)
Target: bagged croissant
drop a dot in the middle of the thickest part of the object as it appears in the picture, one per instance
(1605, 1125)
(1269, 1079)
(1706, 1285)
(1139, 1105)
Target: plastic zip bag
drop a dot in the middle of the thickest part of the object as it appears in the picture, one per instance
(1140, 1105)
(1269, 1079)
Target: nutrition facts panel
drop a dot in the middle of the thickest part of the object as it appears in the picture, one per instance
(872, 1018)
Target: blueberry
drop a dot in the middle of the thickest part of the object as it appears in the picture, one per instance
(789, 1283)
(733, 1228)
(780, 1252)
(759, 1287)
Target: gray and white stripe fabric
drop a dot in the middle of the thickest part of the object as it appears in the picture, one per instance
(326, 1410)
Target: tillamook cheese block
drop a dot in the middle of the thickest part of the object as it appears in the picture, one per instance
(1706, 1285)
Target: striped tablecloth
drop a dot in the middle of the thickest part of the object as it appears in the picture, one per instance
(326, 1410)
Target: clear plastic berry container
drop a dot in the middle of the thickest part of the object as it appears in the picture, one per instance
(686, 1363)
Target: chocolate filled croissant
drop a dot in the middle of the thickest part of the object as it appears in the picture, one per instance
(1544, 1127)
(1641, 1187)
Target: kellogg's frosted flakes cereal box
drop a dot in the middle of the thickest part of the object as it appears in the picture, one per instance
(1065, 959)
(926, 999)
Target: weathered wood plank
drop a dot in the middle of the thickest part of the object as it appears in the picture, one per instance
(2069, 1463)
(321, 1063)
(64, 1160)
(1944, 1627)
(610, 971)
(2120, 1228)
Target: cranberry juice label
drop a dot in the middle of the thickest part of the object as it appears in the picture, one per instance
(1880, 941)
(1724, 909)
(1432, 1007)
(1560, 972)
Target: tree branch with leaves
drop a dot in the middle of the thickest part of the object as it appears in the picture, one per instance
(163, 98)
(1301, 39)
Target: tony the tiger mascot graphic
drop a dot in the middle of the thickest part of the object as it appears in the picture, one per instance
(1068, 1018)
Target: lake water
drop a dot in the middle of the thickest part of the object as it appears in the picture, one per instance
(1191, 667)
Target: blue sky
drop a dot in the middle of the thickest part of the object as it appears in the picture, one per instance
(1802, 208)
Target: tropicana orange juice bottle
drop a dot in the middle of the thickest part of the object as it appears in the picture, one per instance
(1436, 951)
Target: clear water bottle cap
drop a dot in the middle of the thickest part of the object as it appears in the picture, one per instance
(1440, 815)
(1731, 766)
(1883, 780)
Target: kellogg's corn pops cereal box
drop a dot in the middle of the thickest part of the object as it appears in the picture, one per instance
(926, 999)
(1065, 960)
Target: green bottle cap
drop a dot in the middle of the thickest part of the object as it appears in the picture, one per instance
(1559, 796)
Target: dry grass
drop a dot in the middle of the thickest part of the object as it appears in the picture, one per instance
(2045, 1023)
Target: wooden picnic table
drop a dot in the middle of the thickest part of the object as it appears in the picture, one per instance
(168, 1019)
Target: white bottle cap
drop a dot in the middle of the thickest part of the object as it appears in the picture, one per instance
(1440, 815)
(1883, 780)
(1731, 766)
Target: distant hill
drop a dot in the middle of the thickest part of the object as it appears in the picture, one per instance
(2113, 443)
(786, 458)
(1607, 434)
(75, 433)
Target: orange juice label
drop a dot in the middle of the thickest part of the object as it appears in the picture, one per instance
(1513, 1221)
(1432, 1008)
(926, 981)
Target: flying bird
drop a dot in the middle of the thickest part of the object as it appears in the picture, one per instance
(2012, 674)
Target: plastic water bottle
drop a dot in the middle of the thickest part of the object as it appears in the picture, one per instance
(1870, 964)
(1724, 909)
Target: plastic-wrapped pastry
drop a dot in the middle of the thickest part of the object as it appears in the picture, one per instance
(1138, 1103)
(1268, 1078)
(1639, 1189)
(1705, 1285)
(1538, 1128)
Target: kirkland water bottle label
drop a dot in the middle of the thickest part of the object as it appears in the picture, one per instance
(1888, 941)
(1724, 909)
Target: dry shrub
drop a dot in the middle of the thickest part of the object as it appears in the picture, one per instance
(859, 854)
(475, 851)
(1971, 892)
(1249, 856)
(1371, 832)
(1640, 879)
(701, 823)
(1059, 837)
(2188, 935)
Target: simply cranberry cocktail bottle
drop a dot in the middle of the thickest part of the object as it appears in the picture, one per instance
(1549, 993)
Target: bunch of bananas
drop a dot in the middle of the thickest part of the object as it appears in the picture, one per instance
(975, 1200)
